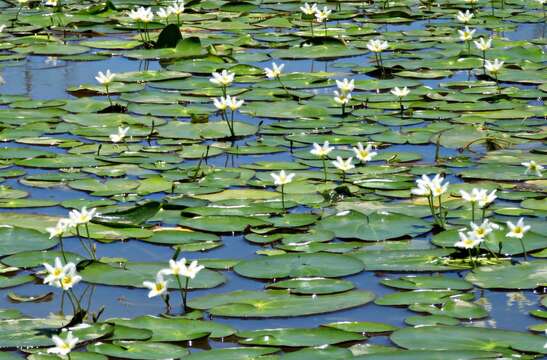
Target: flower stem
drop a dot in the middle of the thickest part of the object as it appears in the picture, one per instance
(182, 291)
(108, 94)
(324, 168)
(185, 297)
(473, 211)
(90, 241)
(523, 249)
(283, 196)
(62, 247)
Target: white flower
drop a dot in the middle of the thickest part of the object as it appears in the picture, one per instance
(466, 34)
(159, 287)
(164, 13)
(473, 196)
(322, 15)
(70, 277)
(122, 132)
(518, 230)
(493, 67)
(224, 78)
(142, 14)
(467, 240)
(2, 27)
(106, 78)
(377, 45)
(364, 154)
(81, 217)
(482, 44)
(56, 272)
(464, 17)
(427, 186)
(175, 267)
(437, 186)
(177, 8)
(51, 2)
(341, 97)
(309, 10)
(59, 229)
(275, 71)
(220, 103)
(282, 178)
(345, 86)
(532, 166)
(192, 270)
(63, 346)
(486, 198)
(400, 93)
(233, 103)
(483, 229)
(2, 81)
(343, 165)
(321, 151)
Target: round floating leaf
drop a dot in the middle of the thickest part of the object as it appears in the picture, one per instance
(176, 329)
(30, 332)
(456, 308)
(297, 337)
(527, 275)
(467, 338)
(6, 282)
(222, 223)
(427, 282)
(139, 350)
(179, 236)
(375, 227)
(275, 303)
(416, 297)
(362, 326)
(406, 260)
(236, 353)
(14, 240)
(432, 355)
(297, 265)
(313, 285)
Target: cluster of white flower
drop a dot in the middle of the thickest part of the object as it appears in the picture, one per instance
(342, 96)
(177, 269)
(61, 276)
(430, 187)
(321, 15)
(75, 218)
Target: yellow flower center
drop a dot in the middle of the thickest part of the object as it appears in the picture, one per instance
(480, 231)
(57, 272)
(159, 287)
(67, 280)
(517, 230)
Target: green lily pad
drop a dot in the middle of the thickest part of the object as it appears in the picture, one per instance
(527, 275)
(467, 338)
(14, 240)
(296, 337)
(298, 265)
(275, 303)
(176, 329)
(375, 227)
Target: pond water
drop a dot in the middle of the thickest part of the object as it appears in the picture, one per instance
(489, 129)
